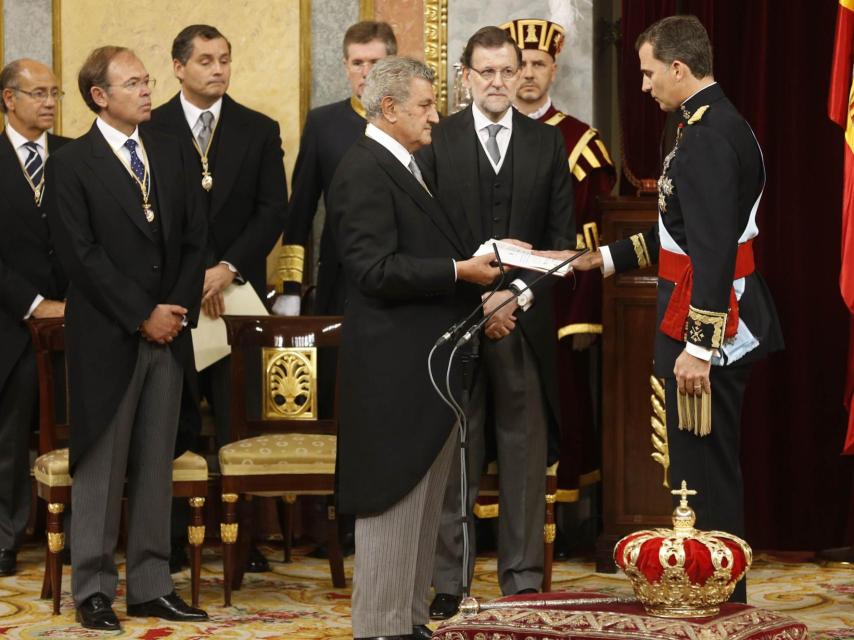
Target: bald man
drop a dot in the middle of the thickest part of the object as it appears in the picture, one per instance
(32, 283)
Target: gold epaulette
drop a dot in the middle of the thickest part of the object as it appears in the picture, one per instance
(583, 149)
(291, 261)
(698, 114)
(705, 328)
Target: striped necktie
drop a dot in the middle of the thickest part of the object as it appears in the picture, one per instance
(34, 165)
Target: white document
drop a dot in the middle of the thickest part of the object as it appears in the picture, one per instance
(515, 256)
(210, 340)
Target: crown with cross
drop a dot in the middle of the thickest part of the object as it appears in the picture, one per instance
(683, 572)
(531, 33)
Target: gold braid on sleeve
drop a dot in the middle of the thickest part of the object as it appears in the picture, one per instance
(641, 252)
(291, 261)
(705, 328)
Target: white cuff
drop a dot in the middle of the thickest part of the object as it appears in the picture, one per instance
(699, 352)
(36, 302)
(287, 305)
(521, 285)
(607, 261)
(455, 269)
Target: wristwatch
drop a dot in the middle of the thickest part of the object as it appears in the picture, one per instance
(523, 298)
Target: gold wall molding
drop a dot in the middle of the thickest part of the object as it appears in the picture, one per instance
(56, 54)
(366, 10)
(304, 61)
(436, 47)
(2, 42)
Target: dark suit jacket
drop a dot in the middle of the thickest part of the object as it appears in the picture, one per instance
(328, 133)
(541, 211)
(716, 174)
(248, 202)
(119, 270)
(28, 263)
(397, 246)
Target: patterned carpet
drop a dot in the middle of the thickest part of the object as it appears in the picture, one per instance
(296, 601)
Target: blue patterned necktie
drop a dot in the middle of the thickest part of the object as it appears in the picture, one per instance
(34, 166)
(135, 163)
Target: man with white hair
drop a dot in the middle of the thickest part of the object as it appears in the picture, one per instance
(405, 266)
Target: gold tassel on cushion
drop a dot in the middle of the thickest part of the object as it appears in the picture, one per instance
(695, 413)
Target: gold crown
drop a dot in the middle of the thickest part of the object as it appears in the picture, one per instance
(529, 33)
(683, 572)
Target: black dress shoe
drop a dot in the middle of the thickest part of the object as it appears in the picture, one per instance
(256, 562)
(421, 632)
(348, 547)
(96, 612)
(8, 562)
(168, 607)
(178, 558)
(444, 606)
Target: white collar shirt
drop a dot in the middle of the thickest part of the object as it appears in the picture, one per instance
(116, 140)
(481, 122)
(193, 114)
(18, 141)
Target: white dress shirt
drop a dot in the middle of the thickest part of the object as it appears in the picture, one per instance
(481, 122)
(539, 113)
(18, 141)
(116, 140)
(398, 151)
(194, 115)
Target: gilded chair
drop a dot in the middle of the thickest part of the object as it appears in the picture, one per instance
(53, 482)
(487, 507)
(290, 450)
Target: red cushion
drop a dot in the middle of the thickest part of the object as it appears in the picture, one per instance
(610, 621)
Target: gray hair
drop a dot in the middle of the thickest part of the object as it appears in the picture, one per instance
(9, 77)
(391, 77)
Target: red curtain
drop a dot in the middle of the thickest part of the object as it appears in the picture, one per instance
(773, 60)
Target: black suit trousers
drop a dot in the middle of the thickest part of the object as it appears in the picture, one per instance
(18, 408)
(711, 464)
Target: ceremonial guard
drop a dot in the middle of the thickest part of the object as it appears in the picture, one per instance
(329, 132)
(715, 313)
(578, 300)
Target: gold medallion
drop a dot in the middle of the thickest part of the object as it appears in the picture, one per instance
(149, 212)
(207, 181)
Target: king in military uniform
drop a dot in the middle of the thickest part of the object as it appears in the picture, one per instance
(578, 303)
(715, 313)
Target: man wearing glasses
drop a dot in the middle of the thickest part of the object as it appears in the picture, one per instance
(239, 178)
(32, 282)
(499, 174)
(131, 241)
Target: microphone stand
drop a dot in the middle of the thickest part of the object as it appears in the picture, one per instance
(468, 359)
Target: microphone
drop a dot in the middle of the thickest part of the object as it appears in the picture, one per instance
(468, 335)
(449, 334)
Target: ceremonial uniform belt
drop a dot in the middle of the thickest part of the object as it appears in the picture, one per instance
(677, 268)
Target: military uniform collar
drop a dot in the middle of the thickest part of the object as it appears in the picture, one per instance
(706, 95)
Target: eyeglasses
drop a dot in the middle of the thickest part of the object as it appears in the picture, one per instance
(136, 83)
(41, 95)
(489, 74)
